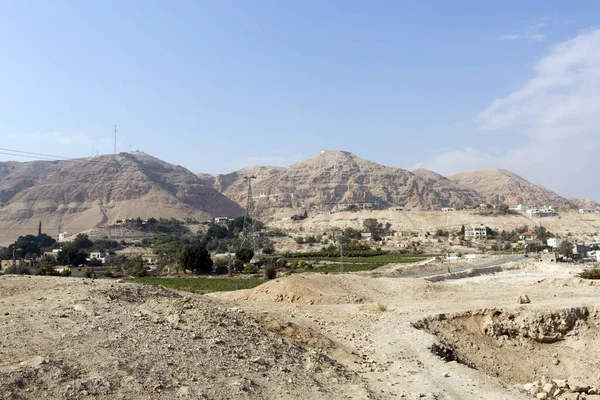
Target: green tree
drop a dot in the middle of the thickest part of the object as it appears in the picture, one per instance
(82, 241)
(196, 258)
(71, 255)
(566, 248)
(351, 233)
(244, 254)
(503, 208)
(372, 226)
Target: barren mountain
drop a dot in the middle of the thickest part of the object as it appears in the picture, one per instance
(583, 203)
(501, 186)
(338, 177)
(450, 189)
(75, 195)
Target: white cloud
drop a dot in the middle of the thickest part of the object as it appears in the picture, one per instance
(555, 116)
(531, 34)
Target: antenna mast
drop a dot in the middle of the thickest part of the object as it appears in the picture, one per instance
(115, 139)
(249, 234)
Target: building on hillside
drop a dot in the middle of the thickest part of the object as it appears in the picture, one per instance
(541, 212)
(365, 206)
(586, 211)
(220, 220)
(451, 256)
(225, 255)
(448, 209)
(98, 255)
(554, 242)
(63, 236)
(528, 236)
(365, 235)
(476, 233)
(520, 208)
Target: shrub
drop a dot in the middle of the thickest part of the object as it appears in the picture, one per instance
(47, 270)
(221, 269)
(592, 273)
(65, 272)
(250, 269)
(281, 263)
(87, 272)
(270, 272)
(17, 270)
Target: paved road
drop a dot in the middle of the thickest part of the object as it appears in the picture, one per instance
(475, 267)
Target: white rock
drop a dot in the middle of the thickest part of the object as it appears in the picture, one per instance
(34, 362)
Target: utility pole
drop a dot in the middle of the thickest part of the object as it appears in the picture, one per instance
(249, 234)
(341, 257)
(115, 139)
(14, 263)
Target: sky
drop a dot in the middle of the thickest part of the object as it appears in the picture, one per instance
(215, 86)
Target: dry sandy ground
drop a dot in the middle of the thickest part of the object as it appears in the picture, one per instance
(303, 336)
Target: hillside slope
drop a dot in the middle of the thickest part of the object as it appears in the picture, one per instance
(338, 177)
(75, 195)
(501, 186)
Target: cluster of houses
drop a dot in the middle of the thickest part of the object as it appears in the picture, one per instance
(579, 251)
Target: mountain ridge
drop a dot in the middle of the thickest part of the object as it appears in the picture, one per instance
(80, 194)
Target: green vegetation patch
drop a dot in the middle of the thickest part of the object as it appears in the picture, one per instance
(201, 284)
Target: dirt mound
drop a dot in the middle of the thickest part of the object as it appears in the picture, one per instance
(74, 338)
(313, 289)
(520, 345)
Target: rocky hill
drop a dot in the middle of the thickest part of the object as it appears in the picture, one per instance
(338, 177)
(76, 195)
(501, 186)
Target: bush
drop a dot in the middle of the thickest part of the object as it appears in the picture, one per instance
(221, 269)
(65, 272)
(281, 263)
(270, 272)
(250, 269)
(87, 272)
(139, 271)
(244, 254)
(17, 270)
(592, 273)
(238, 265)
(47, 270)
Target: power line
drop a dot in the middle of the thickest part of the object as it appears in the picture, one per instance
(31, 152)
(26, 154)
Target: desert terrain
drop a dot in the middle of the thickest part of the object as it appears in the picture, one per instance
(566, 223)
(309, 336)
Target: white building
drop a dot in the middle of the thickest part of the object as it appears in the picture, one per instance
(586, 211)
(98, 255)
(447, 209)
(541, 212)
(554, 242)
(452, 257)
(63, 236)
(475, 233)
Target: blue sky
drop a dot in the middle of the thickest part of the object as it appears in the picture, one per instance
(216, 86)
